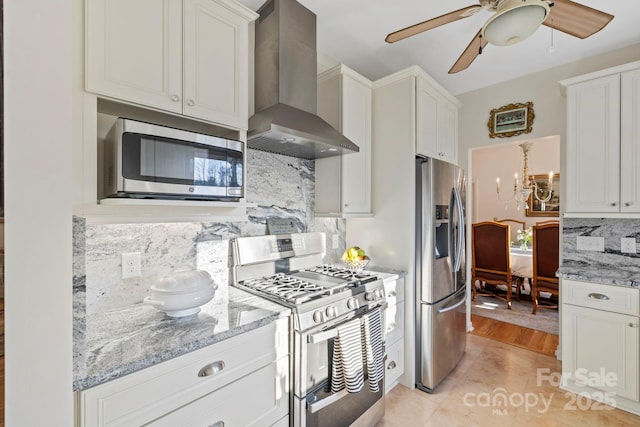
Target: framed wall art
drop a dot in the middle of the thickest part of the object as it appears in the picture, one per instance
(550, 207)
(511, 120)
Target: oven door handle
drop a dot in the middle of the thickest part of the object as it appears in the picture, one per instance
(321, 404)
(322, 336)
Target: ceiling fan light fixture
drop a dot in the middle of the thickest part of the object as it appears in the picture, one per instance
(514, 21)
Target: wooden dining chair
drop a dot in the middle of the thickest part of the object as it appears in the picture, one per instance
(516, 225)
(551, 221)
(546, 258)
(490, 257)
(518, 282)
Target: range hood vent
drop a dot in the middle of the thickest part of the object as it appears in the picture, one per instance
(286, 120)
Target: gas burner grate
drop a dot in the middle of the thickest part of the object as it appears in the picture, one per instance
(288, 288)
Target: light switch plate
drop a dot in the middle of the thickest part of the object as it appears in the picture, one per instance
(590, 243)
(628, 245)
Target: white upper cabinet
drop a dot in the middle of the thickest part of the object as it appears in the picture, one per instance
(189, 57)
(603, 156)
(343, 183)
(436, 122)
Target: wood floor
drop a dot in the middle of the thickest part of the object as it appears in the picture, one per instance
(519, 336)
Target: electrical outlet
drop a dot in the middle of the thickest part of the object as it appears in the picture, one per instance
(130, 265)
(590, 243)
(335, 242)
(628, 245)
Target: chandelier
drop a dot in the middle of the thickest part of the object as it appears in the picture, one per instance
(523, 190)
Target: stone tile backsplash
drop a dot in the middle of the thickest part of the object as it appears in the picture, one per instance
(281, 186)
(612, 230)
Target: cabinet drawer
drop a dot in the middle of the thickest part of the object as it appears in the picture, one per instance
(259, 399)
(394, 321)
(394, 366)
(143, 396)
(603, 297)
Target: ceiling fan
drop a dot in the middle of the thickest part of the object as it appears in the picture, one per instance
(512, 22)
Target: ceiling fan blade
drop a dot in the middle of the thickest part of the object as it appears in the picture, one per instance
(576, 19)
(470, 53)
(432, 23)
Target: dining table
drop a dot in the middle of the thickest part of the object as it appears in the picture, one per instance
(521, 262)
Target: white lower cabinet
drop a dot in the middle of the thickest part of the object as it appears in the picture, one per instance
(241, 381)
(394, 331)
(600, 342)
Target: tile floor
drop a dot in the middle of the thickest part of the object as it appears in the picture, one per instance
(488, 369)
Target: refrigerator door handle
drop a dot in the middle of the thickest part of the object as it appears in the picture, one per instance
(459, 244)
(452, 307)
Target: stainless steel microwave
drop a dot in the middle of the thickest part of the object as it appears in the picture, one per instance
(144, 160)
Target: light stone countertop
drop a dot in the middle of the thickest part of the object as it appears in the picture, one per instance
(123, 341)
(386, 273)
(623, 275)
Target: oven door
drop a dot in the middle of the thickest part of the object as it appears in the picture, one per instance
(314, 403)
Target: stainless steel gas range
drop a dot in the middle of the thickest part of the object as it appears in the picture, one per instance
(337, 341)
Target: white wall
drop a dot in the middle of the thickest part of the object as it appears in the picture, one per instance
(541, 88)
(38, 133)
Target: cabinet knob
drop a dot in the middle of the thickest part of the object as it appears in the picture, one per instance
(190, 102)
(218, 424)
(175, 98)
(627, 204)
(614, 204)
(346, 205)
(391, 327)
(391, 365)
(633, 325)
(211, 369)
(392, 293)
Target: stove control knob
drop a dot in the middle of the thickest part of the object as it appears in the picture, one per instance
(318, 316)
(352, 303)
(380, 293)
(331, 311)
(370, 296)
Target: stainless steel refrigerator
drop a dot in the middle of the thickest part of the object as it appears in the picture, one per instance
(440, 270)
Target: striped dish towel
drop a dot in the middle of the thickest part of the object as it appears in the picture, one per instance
(374, 347)
(347, 369)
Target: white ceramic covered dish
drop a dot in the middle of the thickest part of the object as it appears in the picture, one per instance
(181, 293)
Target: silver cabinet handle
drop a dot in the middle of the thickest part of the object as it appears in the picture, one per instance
(218, 424)
(614, 204)
(392, 326)
(175, 98)
(190, 102)
(598, 296)
(392, 293)
(391, 365)
(211, 369)
(628, 204)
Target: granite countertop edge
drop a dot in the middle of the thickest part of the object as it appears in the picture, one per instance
(387, 273)
(90, 376)
(625, 276)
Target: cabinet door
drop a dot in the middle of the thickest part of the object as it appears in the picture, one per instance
(600, 349)
(630, 142)
(593, 146)
(426, 120)
(343, 183)
(216, 59)
(134, 51)
(394, 365)
(447, 131)
(356, 125)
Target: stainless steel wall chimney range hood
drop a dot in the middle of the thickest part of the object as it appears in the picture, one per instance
(286, 85)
